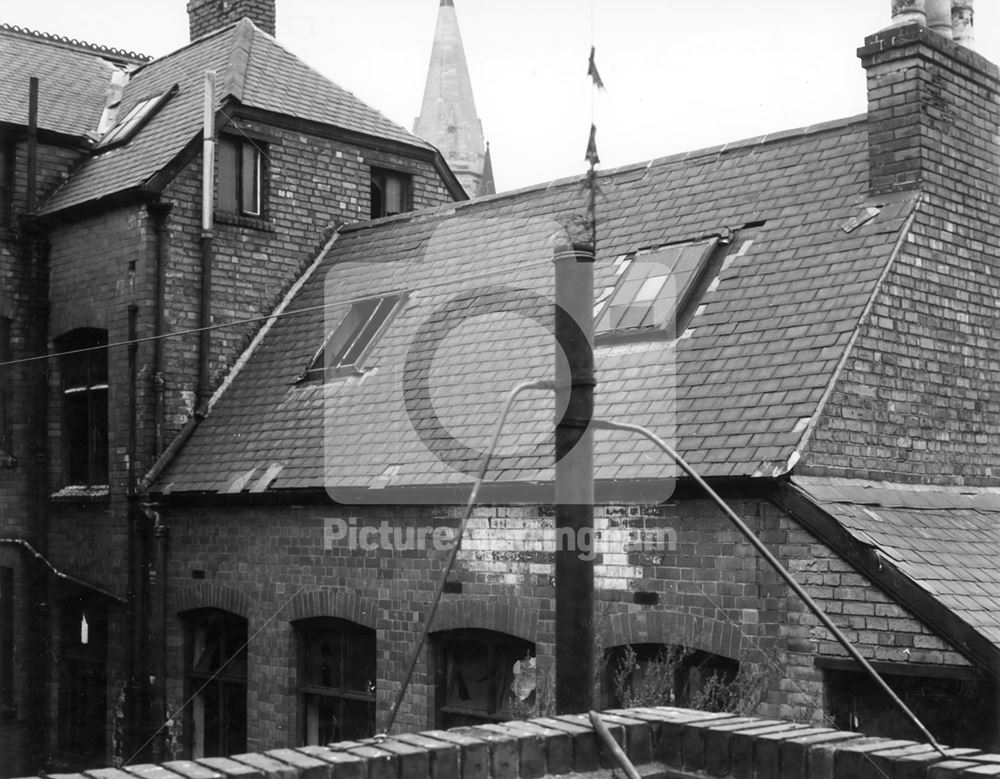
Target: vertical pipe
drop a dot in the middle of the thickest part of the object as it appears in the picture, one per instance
(134, 709)
(574, 489)
(207, 204)
(160, 535)
(159, 211)
(38, 649)
(32, 183)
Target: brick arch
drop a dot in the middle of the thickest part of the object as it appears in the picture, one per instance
(213, 596)
(331, 602)
(673, 627)
(486, 614)
(82, 314)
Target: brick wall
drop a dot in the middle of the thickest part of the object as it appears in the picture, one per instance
(660, 742)
(269, 565)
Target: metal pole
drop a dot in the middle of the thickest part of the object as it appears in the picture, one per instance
(778, 568)
(574, 488)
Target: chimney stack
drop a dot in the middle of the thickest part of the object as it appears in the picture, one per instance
(207, 16)
(933, 104)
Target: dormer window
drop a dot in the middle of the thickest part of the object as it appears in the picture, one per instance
(352, 338)
(391, 192)
(241, 176)
(126, 127)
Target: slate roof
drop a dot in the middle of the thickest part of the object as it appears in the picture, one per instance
(73, 80)
(251, 67)
(946, 539)
(750, 373)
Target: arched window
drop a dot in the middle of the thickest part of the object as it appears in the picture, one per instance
(337, 674)
(482, 676)
(664, 675)
(84, 369)
(216, 682)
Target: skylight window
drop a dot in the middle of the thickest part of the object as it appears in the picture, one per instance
(138, 115)
(652, 287)
(347, 344)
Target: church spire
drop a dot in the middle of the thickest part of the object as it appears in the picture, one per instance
(448, 117)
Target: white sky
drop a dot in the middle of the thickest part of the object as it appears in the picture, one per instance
(680, 74)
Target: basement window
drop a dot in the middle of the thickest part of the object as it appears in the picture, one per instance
(348, 343)
(391, 192)
(336, 680)
(651, 288)
(482, 676)
(84, 368)
(137, 116)
(241, 176)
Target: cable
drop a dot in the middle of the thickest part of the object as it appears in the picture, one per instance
(450, 562)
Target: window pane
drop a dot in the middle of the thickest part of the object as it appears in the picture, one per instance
(249, 179)
(367, 333)
(228, 167)
(359, 720)
(361, 662)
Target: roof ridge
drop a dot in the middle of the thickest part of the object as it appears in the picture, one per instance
(687, 156)
(239, 59)
(85, 46)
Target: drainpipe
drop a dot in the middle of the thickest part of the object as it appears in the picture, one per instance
(158, 579)
(159, 212)
(574, 495)
(207, 202)
(136, 545)
(36, 251)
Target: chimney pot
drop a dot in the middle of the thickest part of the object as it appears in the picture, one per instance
(939, 16)
(961, 23)
(906, 11)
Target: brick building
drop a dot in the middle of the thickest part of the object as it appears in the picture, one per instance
(108, 267)
(808, 315)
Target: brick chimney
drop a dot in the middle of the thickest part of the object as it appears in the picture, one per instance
(207, 16)
(932, 102)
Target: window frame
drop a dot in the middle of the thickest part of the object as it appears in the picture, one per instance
(348, 635)
(6, 390)
(86, 346)
(354, 340)
(234, 198)
(215, 681)
(498, 648)
(379, 177)
(126, 128)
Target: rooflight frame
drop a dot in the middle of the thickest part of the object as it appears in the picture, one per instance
(126, 128)
(358, 341)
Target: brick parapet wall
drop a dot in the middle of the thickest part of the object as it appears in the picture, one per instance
(660, 742)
